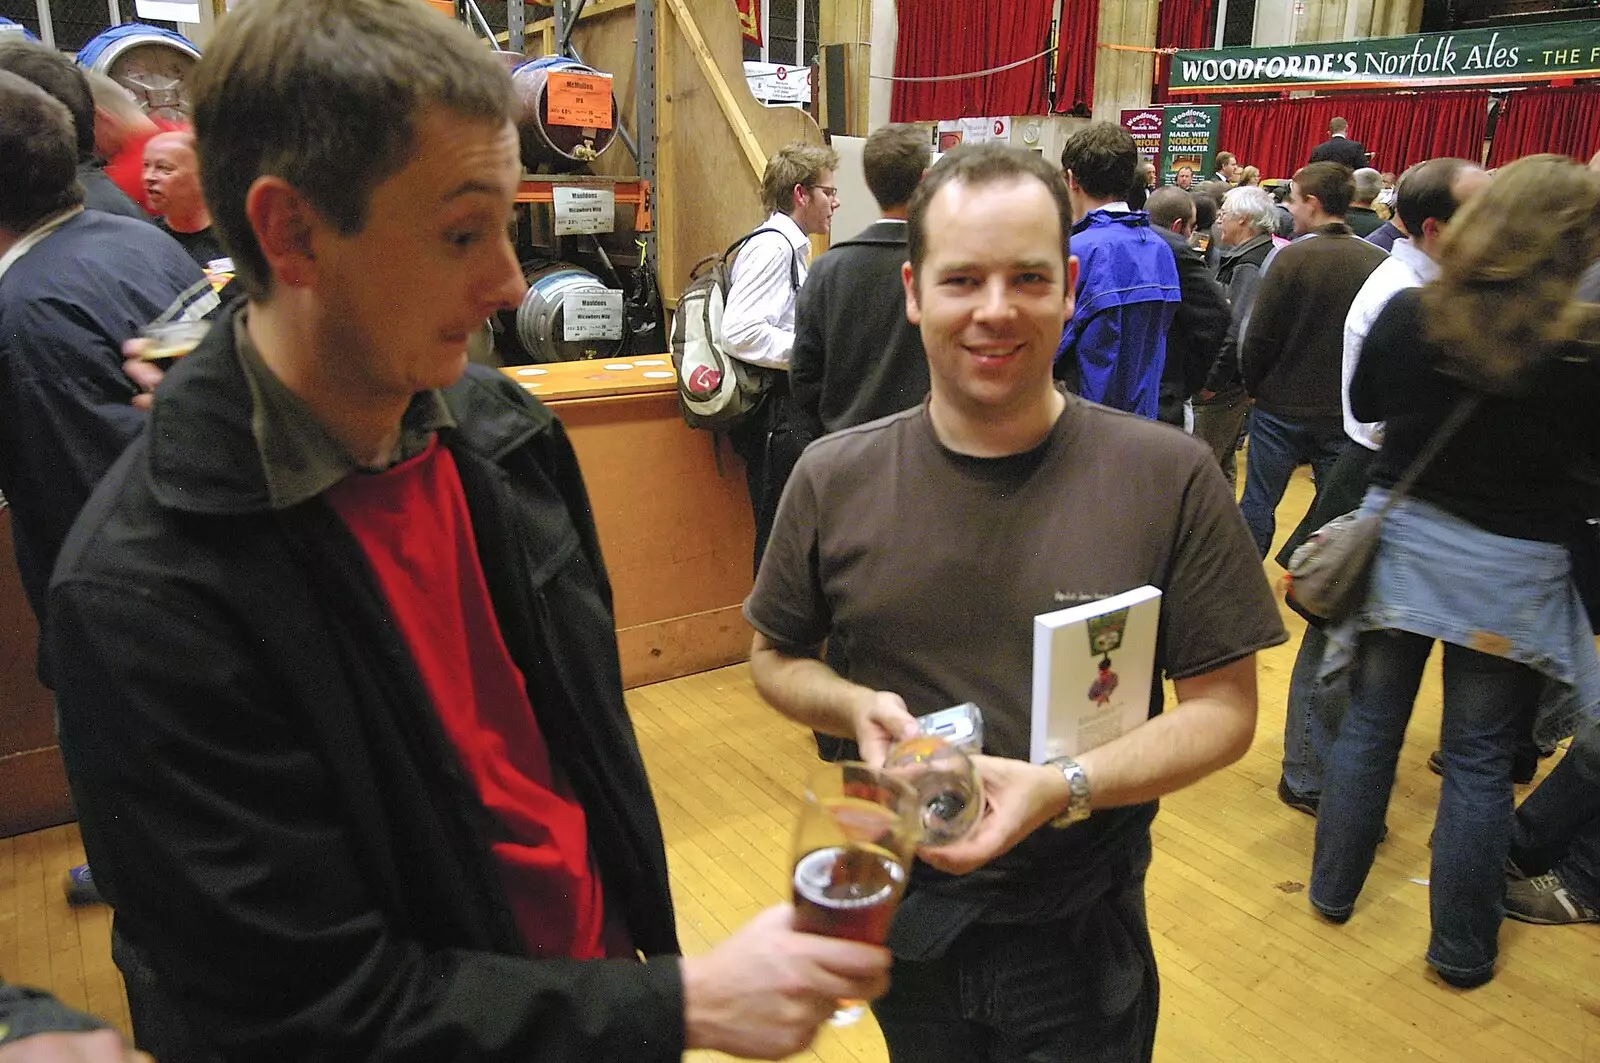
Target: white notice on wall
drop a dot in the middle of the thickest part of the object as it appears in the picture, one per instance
(167, 10)
(773, 83)
(585, 210)
(592, 314)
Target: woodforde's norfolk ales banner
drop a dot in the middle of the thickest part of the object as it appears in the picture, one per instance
(1462, 57)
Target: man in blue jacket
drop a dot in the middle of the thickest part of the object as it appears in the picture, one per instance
(1115, 345)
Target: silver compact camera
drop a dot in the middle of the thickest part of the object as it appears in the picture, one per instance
(960, 725)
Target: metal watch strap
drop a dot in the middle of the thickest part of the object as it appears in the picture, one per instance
(1078, 804)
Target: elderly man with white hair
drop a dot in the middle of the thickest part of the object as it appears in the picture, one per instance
(1246, 224)
(1361, 217)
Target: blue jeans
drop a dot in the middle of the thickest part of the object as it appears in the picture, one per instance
(1484, 697)
(1558, 826)
(1277, 447)
(1311, 721)
(1082, 990)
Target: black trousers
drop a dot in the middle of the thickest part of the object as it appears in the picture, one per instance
(770, 443)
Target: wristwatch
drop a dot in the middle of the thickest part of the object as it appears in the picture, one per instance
(1078, 804)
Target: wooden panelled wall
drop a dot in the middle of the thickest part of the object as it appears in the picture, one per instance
(713, 138)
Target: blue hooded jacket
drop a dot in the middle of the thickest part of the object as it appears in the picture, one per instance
(1115, 343)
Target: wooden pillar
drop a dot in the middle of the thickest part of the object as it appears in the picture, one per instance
(848, 23)
(1123, 79)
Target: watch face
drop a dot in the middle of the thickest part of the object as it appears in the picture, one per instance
(157, 74)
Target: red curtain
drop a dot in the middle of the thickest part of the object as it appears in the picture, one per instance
(1075, 55)
(937, 37)
(1397, 129)
(1186, 24)
(1565, 121)
(1446, 124)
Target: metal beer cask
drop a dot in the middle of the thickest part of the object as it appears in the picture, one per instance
(560, 148)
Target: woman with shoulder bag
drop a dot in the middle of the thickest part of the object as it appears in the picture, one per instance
(1475, 555)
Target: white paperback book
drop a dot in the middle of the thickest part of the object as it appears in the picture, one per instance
(1093, 666)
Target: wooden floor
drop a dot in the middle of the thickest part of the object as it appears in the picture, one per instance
(1248, 972)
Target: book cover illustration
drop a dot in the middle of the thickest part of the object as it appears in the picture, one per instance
(1092, 671)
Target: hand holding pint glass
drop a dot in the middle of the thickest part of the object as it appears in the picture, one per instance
(853, 848)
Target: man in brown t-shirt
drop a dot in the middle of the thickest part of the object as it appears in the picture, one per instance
(926, 542)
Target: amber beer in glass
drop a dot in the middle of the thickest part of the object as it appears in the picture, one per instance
(853, 848)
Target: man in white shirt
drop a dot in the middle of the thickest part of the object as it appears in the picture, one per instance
(799, 194)
(1428, 197)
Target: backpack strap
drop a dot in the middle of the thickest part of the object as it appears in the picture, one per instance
(794, 254)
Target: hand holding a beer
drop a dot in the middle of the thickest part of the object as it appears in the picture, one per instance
(881, 720)
(149, 355)
(143, 372)
(1021, 797)
(852, 856)
(763, 992)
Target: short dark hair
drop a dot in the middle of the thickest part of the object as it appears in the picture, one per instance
(60, 77)
(1139, 190)
(38, 155)
(1425, 193)
(1206, 208)
(1168, 204)
(1102, 159)
(326, 95)
(977, 165)
(1338, 125)
(1332, 183)
(1223, 158)
(894, 158)
(1215, 189)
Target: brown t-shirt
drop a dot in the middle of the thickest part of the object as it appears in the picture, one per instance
(929, 566)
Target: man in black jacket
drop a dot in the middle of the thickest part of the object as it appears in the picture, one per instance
(1245, 226)
(345, 724)
(1195, 338)
(856, 357)
(1340, 148)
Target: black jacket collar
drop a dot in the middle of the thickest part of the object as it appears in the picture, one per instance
(203, 456)
(883, 232)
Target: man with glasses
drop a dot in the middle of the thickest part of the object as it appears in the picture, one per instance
(800, 197)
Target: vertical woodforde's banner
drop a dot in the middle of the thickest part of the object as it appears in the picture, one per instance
(1189, 140)
(1144, 124)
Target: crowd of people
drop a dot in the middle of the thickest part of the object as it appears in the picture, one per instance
(331, 635)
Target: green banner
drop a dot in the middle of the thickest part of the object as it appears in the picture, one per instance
(1464, 57)
(1189, 134)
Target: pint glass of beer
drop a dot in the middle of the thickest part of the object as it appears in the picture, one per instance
(853, 848)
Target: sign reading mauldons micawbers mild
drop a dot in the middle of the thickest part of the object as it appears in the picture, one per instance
(1463, 57)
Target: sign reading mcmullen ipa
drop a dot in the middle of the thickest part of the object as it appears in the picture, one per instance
(1463, 57)
(1189, 135)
